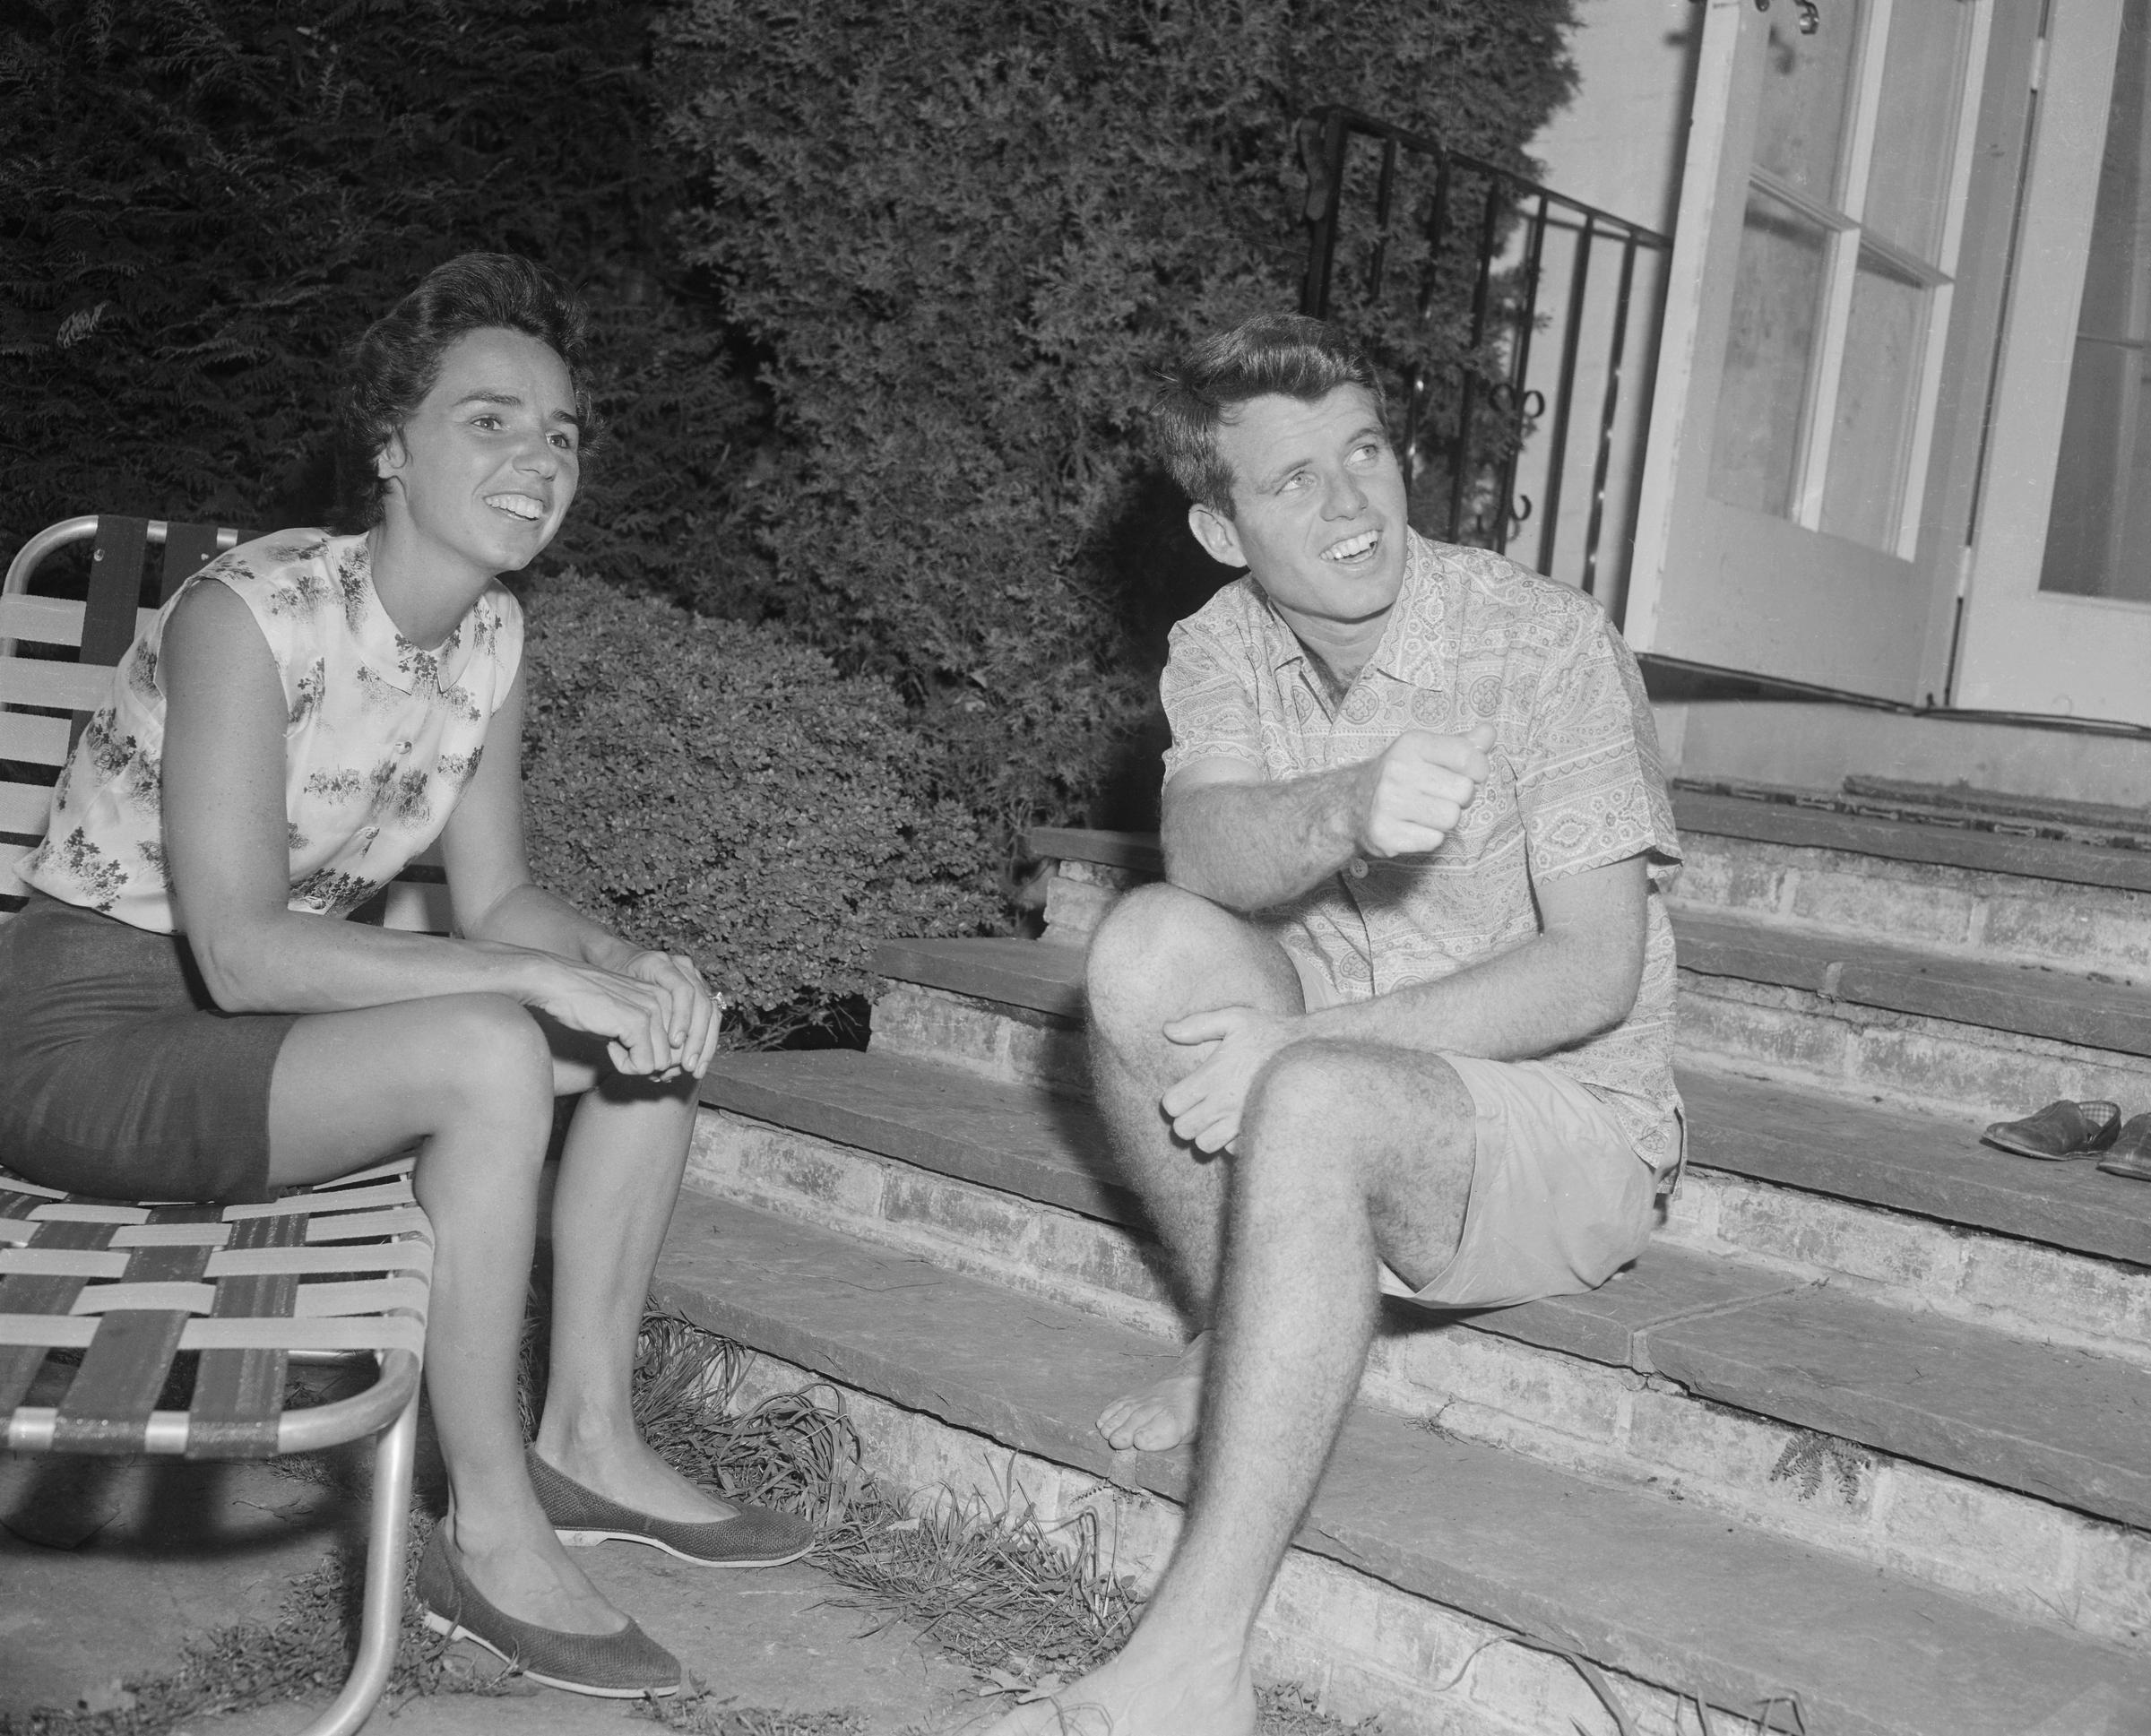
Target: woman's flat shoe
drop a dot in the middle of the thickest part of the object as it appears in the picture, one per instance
(753, 1537)
(2131, 1152)
(624, 1666)
(2061, 1130)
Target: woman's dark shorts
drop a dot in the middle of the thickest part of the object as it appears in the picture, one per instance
(119, 1076)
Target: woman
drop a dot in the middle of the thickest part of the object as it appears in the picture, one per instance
(181, 1014)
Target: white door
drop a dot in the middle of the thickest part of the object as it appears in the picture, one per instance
(1818, 328)
(2058, 602)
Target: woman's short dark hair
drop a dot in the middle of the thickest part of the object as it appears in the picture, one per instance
(1285, 354)
(389, 371)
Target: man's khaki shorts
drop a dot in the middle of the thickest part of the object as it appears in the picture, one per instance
(1559, 1199)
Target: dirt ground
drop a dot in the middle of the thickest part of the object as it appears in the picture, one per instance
(108, 1566)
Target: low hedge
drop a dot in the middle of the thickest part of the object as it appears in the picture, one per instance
(717, 789)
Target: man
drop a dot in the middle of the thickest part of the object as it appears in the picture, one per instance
(1400, 1016)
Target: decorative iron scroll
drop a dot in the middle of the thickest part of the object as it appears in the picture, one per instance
(1811, 14)
(1437, 262)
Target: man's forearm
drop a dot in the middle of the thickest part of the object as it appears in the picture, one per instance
(1546, 993)
(1248, 846)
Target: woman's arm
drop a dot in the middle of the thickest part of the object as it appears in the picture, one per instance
(226, 845)
(495, 899)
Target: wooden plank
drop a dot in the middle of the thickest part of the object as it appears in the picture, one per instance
(1798, 1137)
(2053, 1422)
(11, 884)
(1670, 1591)
(1902, 840)
(1137, 852)
(2021, 998)
(1041, 974)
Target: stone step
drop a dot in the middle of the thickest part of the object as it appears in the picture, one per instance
(1952, 892)
(2056, 1423)
(1962, 1026)
(946, 996)
(1415, 1538)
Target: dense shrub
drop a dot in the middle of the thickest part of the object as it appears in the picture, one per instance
(203, 201)
(965, 232)
(717, 788)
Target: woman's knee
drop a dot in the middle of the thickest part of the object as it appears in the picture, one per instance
(494, 1058)
(1161, 952)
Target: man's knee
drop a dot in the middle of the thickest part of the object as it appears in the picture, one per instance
(1161, 951)
(1343, 1105)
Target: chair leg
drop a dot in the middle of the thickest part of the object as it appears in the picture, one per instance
(395, 1454)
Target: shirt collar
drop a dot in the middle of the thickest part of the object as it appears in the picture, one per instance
(1413, 627)
(391, 656)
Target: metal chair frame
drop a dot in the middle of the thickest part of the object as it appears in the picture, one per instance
(322, 1274)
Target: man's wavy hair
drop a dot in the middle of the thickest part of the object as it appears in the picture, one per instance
(1284, 354)
(389, 371)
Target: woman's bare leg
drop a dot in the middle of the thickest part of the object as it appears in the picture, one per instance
(472, 1074)
(620, 1175)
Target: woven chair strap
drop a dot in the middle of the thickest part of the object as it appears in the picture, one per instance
(343, 1267)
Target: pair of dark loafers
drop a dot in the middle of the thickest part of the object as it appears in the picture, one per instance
(626, 1664)
(2065, 1129)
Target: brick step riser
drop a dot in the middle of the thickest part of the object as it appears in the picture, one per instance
(2007, 1550)
(2020, 1287)
(1931, 1064)
(1954, 911)
(1963, 1073)
(1364, 1647)
(1960, 911)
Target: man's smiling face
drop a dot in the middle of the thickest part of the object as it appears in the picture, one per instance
(1317, 507)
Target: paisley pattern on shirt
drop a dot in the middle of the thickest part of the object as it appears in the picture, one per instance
(1575, 783)
(381, 736)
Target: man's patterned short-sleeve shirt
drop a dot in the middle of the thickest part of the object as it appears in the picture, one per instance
(1575, 783)
(380, 735)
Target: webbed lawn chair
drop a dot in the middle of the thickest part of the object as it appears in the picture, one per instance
(328, 1273)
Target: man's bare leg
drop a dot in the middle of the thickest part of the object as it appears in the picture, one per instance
(1346, 1151)
(1161, 954)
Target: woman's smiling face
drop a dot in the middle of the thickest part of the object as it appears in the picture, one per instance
(484, 469)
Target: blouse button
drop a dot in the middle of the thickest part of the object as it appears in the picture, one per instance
(1358, 868)
(403, 748)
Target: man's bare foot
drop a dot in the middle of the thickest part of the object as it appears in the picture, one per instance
(1164, 1413)
(1156, 1690)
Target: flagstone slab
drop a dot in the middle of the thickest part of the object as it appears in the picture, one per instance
(1662, 1590)
(2044, 1419)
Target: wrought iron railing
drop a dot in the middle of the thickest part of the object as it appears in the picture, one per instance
(1415, 226)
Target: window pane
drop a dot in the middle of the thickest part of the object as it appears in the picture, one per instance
(1762, 397)
(1916, 126)
(1806, 90)
(2098, 542)
(1861, 493)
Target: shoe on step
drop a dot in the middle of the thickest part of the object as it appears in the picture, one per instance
(2061, 1130)
(2131, 1152)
